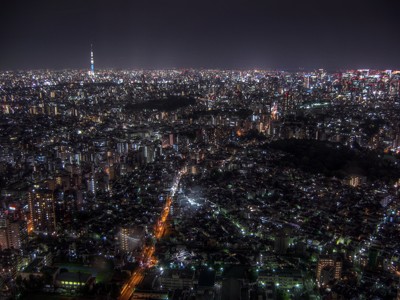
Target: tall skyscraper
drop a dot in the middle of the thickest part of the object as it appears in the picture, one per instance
(42, 209)
(91, 72)
(11, 234)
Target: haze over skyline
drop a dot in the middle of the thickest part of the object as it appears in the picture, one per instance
(283, 34)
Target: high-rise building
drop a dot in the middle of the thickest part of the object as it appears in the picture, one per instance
(92, 184)
(328, 268)
(10, 234)
(125, 237)
(306, 83)
(130, 238)
(42, 209)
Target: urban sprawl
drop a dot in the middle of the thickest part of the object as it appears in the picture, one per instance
(200, 184)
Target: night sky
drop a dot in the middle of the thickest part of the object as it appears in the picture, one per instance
(129, 34)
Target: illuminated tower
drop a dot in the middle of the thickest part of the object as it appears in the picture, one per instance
(42, 209)
(91, 72)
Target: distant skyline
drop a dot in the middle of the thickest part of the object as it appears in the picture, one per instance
(129, 34)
